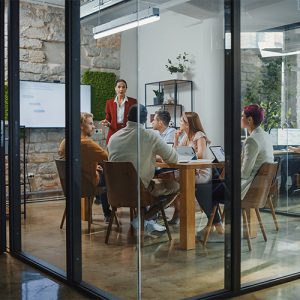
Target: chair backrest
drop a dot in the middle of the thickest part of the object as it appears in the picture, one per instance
(257, 194)
(122, 185)
(87, 189)
(276, 160)
(61, 169)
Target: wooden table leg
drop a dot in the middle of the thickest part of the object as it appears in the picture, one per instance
(252, 220)
(187, 209)
(84, 209)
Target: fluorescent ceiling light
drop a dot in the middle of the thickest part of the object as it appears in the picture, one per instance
(127, 22)
(266, 53)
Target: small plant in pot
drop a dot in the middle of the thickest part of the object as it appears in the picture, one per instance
(159, 99)
(180, 66)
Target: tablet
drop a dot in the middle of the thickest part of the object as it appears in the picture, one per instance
(185, 154)
(218, 153)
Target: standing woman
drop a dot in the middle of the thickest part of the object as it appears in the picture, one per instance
(192, 134)
(117, 109)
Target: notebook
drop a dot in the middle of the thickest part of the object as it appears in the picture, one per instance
(186, 154)
(218, 153)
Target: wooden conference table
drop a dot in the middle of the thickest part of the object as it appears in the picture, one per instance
(187, 201)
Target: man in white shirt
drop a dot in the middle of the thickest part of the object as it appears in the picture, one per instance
(123, 146)
(161, 123)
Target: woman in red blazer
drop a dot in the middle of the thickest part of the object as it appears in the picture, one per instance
(117, 109)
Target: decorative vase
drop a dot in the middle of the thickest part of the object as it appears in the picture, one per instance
(179, 76)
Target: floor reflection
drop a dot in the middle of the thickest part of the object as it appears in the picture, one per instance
(167, 271)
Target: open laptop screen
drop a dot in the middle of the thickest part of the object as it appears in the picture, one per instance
(218, 153)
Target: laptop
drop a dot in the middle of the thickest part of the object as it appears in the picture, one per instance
(186, 154)
(218, 153)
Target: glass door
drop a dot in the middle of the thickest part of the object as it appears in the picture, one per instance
(2, 134)
(270, 56)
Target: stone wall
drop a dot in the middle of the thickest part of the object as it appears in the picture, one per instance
(42, 58)
(42, 45)
(41, 146)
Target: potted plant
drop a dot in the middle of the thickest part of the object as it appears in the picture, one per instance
(159, 99)
(180, 66)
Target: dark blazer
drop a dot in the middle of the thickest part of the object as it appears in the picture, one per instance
(111, 115)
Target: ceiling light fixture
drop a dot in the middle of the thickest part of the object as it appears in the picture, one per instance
(127, 22)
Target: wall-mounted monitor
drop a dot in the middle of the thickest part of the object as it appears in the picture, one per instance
(42, 104)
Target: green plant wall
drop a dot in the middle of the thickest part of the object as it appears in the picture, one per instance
(103, 88)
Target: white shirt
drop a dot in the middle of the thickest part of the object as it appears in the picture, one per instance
(120, 109)
(122, 146)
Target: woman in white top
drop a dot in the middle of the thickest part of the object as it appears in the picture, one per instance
(191, 133)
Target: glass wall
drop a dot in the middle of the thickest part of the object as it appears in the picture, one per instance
(42, 127)
(181, 38)
(158, 225)
(270, 75)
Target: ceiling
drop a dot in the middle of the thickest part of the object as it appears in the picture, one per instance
(256, 15)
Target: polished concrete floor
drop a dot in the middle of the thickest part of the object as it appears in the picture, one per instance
(167, 271)
(20, 281)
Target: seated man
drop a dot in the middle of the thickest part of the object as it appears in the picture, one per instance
(91, 154)
(123, 147)
(289, 166)
(161, 122)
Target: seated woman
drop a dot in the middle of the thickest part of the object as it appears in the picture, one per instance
(257, 149)
(191, 133)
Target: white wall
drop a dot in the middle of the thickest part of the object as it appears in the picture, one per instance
(174, 34)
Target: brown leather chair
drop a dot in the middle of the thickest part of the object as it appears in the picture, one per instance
(257, 196)
(273, 194)
(122, 188)
(88, 191)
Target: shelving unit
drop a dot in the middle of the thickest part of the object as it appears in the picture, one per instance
(178, 97)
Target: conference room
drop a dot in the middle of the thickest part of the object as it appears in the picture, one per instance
(183, 61)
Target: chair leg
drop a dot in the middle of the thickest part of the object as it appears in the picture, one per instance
(63, 220)
(117, 221)
(90, 203)
(221, 213)
(246, 228)
(142, 225)
(131, 214)
(111, 219)
(261, 224)
(209, 225)
(166, 223)
(273, 214)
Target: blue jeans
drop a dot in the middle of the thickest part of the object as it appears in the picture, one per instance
(103, 198)
(207, 195)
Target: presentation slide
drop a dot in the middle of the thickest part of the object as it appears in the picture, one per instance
(42, 104)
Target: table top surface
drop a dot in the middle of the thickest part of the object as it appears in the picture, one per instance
(199, 164)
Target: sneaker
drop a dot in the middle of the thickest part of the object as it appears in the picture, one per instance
(106, 219)
(174, 221)
(151, 226)
(214, 236)
(97, 201)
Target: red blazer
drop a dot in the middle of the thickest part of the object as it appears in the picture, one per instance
(111, 115)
